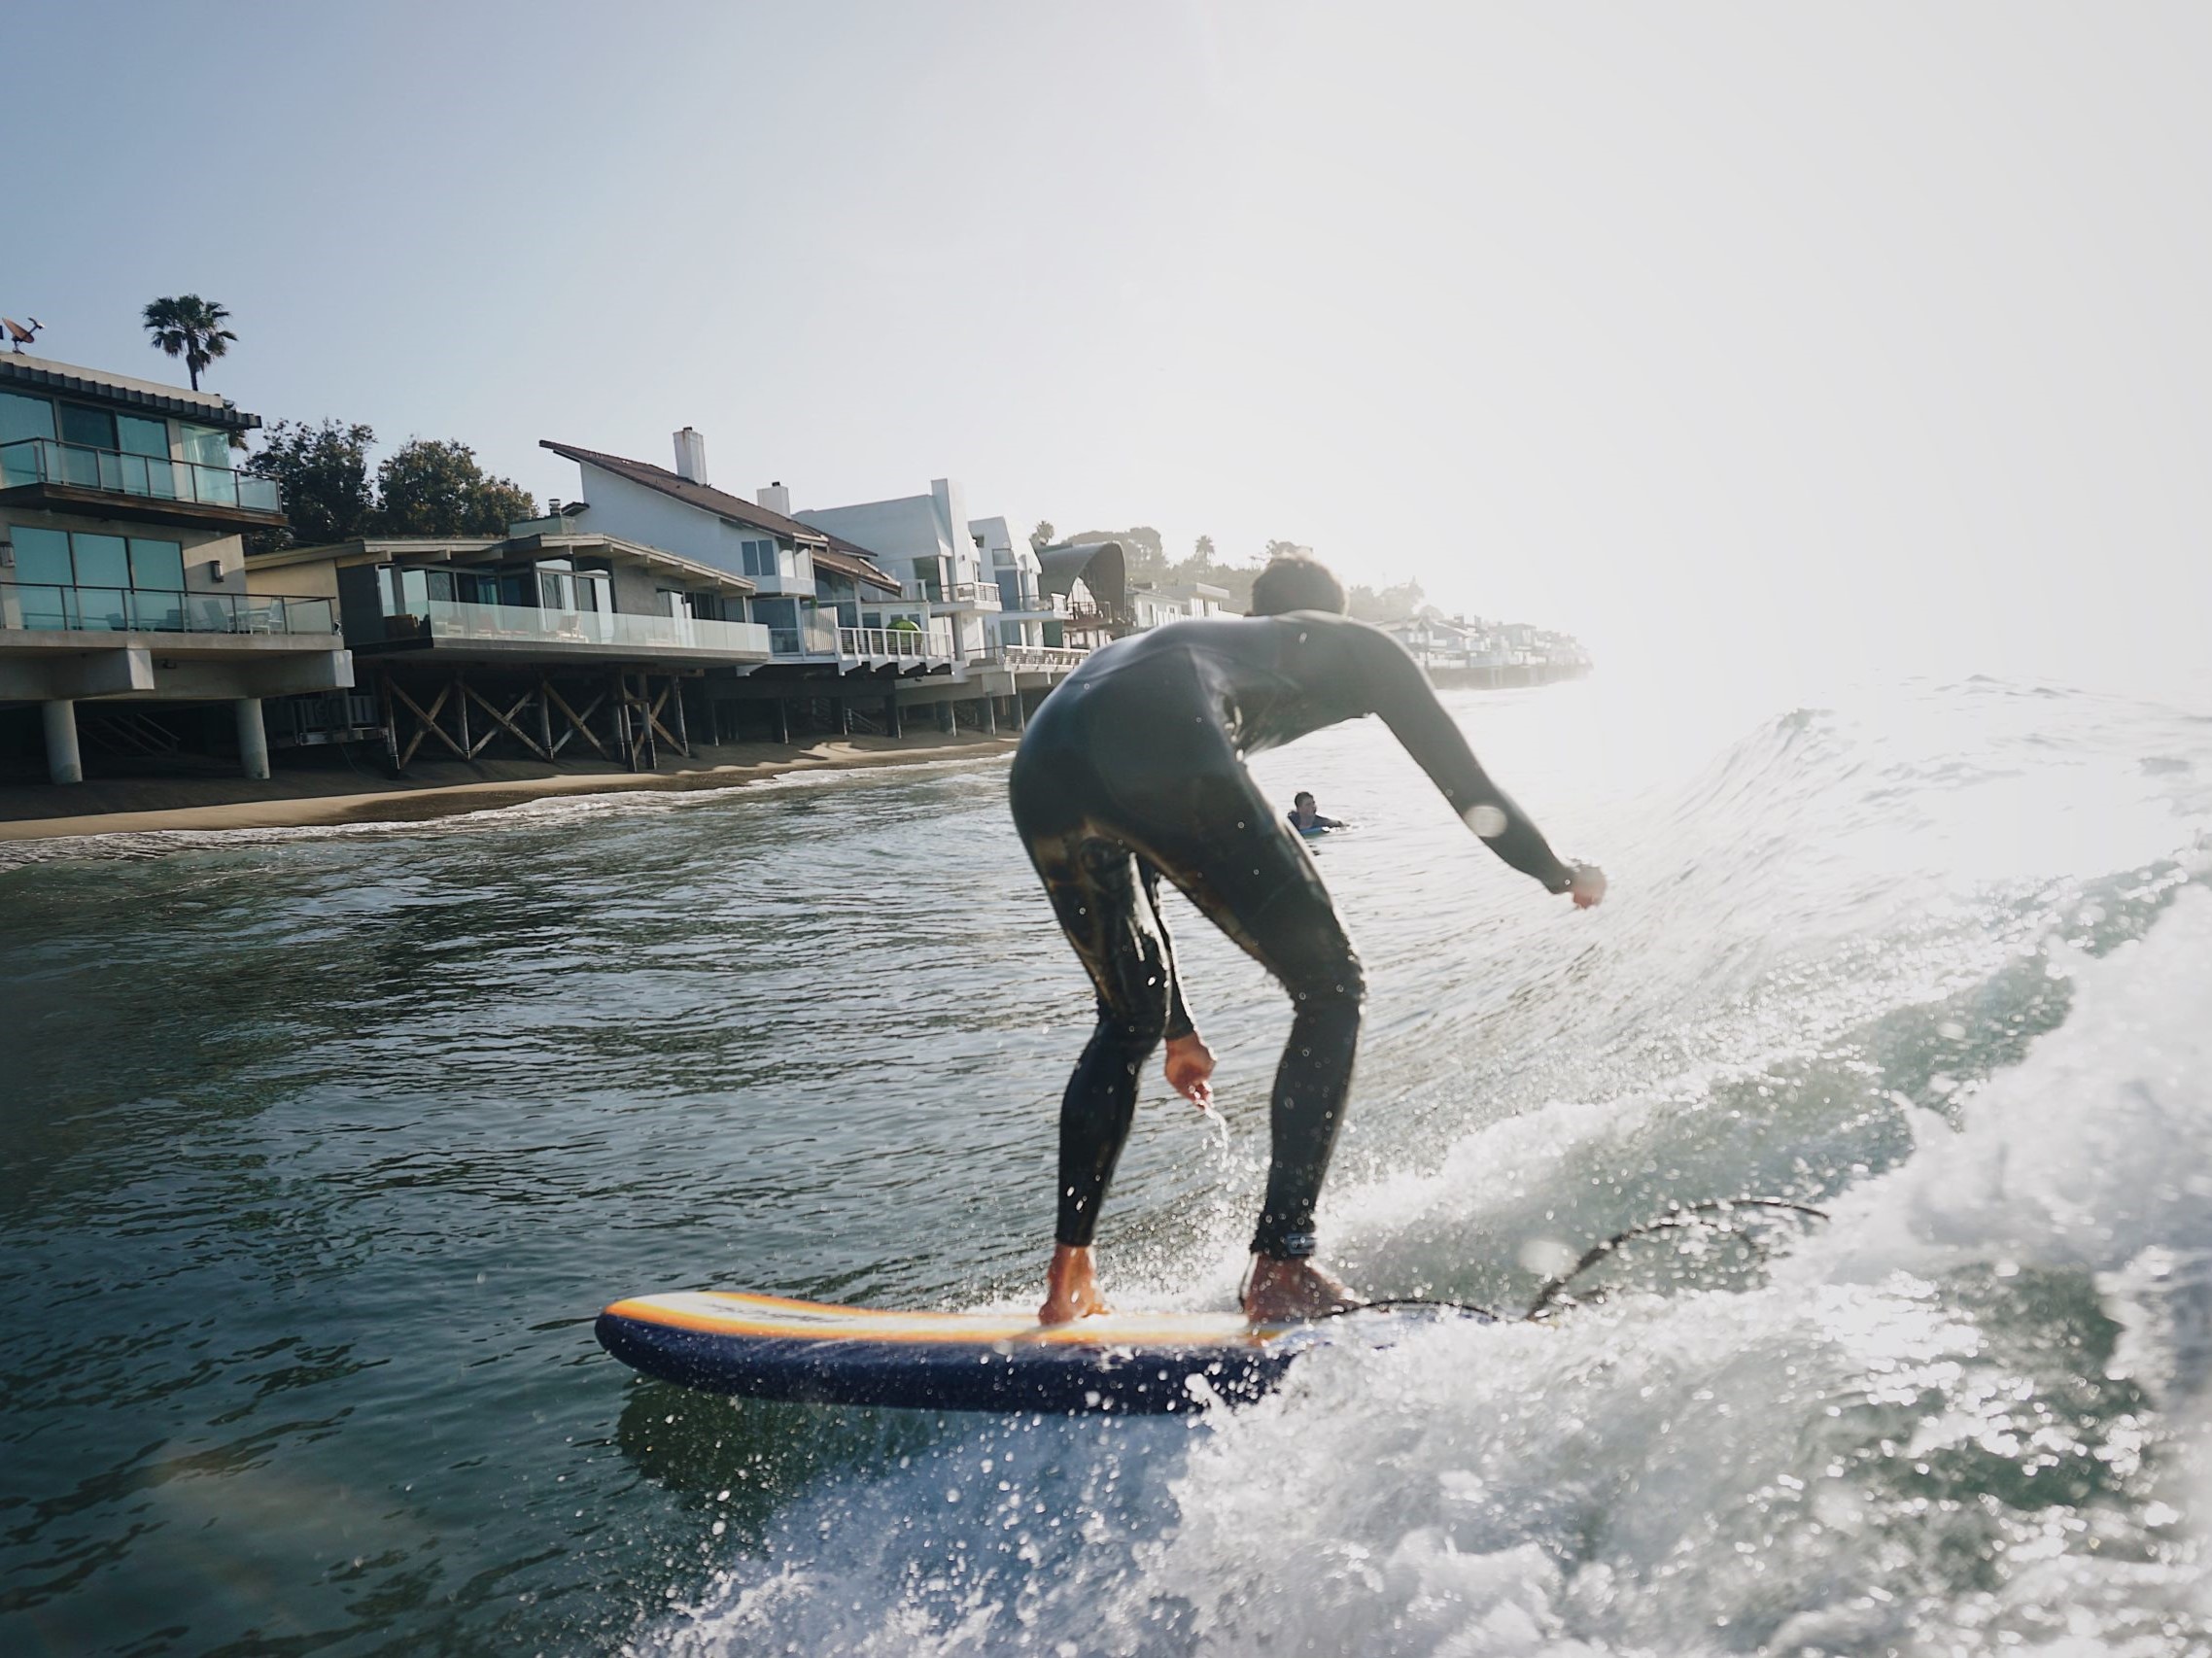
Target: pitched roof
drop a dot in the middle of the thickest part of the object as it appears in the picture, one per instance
(842, 556)
(857, 561)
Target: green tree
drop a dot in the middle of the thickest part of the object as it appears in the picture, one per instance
(323, 471)
(434, 487)
(1143, 554)
(1202, 552)
(1041, 535)
(190, 327)
(1386, 603)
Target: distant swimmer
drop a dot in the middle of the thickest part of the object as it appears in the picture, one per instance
(1306, 819)
(1132, 769)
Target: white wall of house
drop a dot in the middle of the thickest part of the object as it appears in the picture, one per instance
(1012, 562)
(634, 512)
(928, 529)
(1149, 608)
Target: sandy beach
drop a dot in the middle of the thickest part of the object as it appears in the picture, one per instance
(298, 798)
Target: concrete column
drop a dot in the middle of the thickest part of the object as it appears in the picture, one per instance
(253, 739)
(64, 761)
(892, 715)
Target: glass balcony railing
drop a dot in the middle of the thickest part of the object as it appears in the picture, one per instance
(815, 636)
(141, 610)
(523, 624)
(894, 641)
(42, 461)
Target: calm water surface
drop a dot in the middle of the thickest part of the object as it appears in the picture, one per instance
(323, 1148)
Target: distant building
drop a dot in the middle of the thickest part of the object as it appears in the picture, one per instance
(124, 615)
(929, 542)
(1025, 608)
(1469, 652)
(1174, 601)
(1093, 579)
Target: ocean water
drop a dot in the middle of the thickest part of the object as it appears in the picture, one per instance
(323, 1148)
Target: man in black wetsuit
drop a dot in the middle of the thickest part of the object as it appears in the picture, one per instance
(1133, 768)
(1305, 815)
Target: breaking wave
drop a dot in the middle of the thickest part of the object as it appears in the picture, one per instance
(1950, 975)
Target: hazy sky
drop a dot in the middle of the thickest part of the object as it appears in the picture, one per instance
(1869, 335)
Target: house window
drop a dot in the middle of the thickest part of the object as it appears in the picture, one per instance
(94, 429)
(22, 417)
(156, 565)
(139, 435)
(84, 580)
(207, 445)
(764, 559)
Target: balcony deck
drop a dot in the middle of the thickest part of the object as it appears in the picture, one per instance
(69, 477)
(459, 630)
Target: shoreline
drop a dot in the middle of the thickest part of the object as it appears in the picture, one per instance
(466, 790)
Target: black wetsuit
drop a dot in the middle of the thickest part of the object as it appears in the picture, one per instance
(1133, 768)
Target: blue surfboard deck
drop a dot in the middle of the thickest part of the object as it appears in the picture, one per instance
(1138, 1364)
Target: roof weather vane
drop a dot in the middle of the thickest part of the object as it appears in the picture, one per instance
(22, 335)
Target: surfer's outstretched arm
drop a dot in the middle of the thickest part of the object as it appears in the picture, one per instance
(1400, 693)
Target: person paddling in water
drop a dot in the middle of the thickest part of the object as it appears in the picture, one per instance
(1133, 768)
(1306, 819)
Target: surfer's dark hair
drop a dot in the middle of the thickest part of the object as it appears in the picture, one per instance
(1296, 581)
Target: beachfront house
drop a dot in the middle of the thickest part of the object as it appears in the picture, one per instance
(1463, 650)
(1091, 578)
(1025, 608)
(556, 638)
(861, 633)
(126, 626)
(1174, 601)
(680, 511)
(927, 543)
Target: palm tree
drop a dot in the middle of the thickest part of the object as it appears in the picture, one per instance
(190, 327)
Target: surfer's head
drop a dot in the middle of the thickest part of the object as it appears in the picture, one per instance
(1303, 800)
(1296, 581)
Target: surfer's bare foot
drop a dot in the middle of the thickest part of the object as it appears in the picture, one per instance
(1283, 1291)
(1071, 1286)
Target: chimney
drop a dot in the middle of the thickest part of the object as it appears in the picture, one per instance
(776, 498)
(691, 455)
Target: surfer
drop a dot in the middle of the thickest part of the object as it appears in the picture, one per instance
(1133, 768)
(1306, 819)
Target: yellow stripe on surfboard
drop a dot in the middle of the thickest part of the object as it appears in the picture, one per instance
(730, 1312)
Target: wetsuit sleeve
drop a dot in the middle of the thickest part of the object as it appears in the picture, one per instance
(1400, 693)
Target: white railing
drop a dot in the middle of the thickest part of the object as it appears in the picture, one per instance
(457, 620)
(894, 641)
(961, 595)
(1037, 658)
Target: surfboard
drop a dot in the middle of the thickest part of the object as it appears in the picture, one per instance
(1141, 1363)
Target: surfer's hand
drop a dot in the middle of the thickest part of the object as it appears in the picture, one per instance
(1589, 888)
(1190, 1069)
